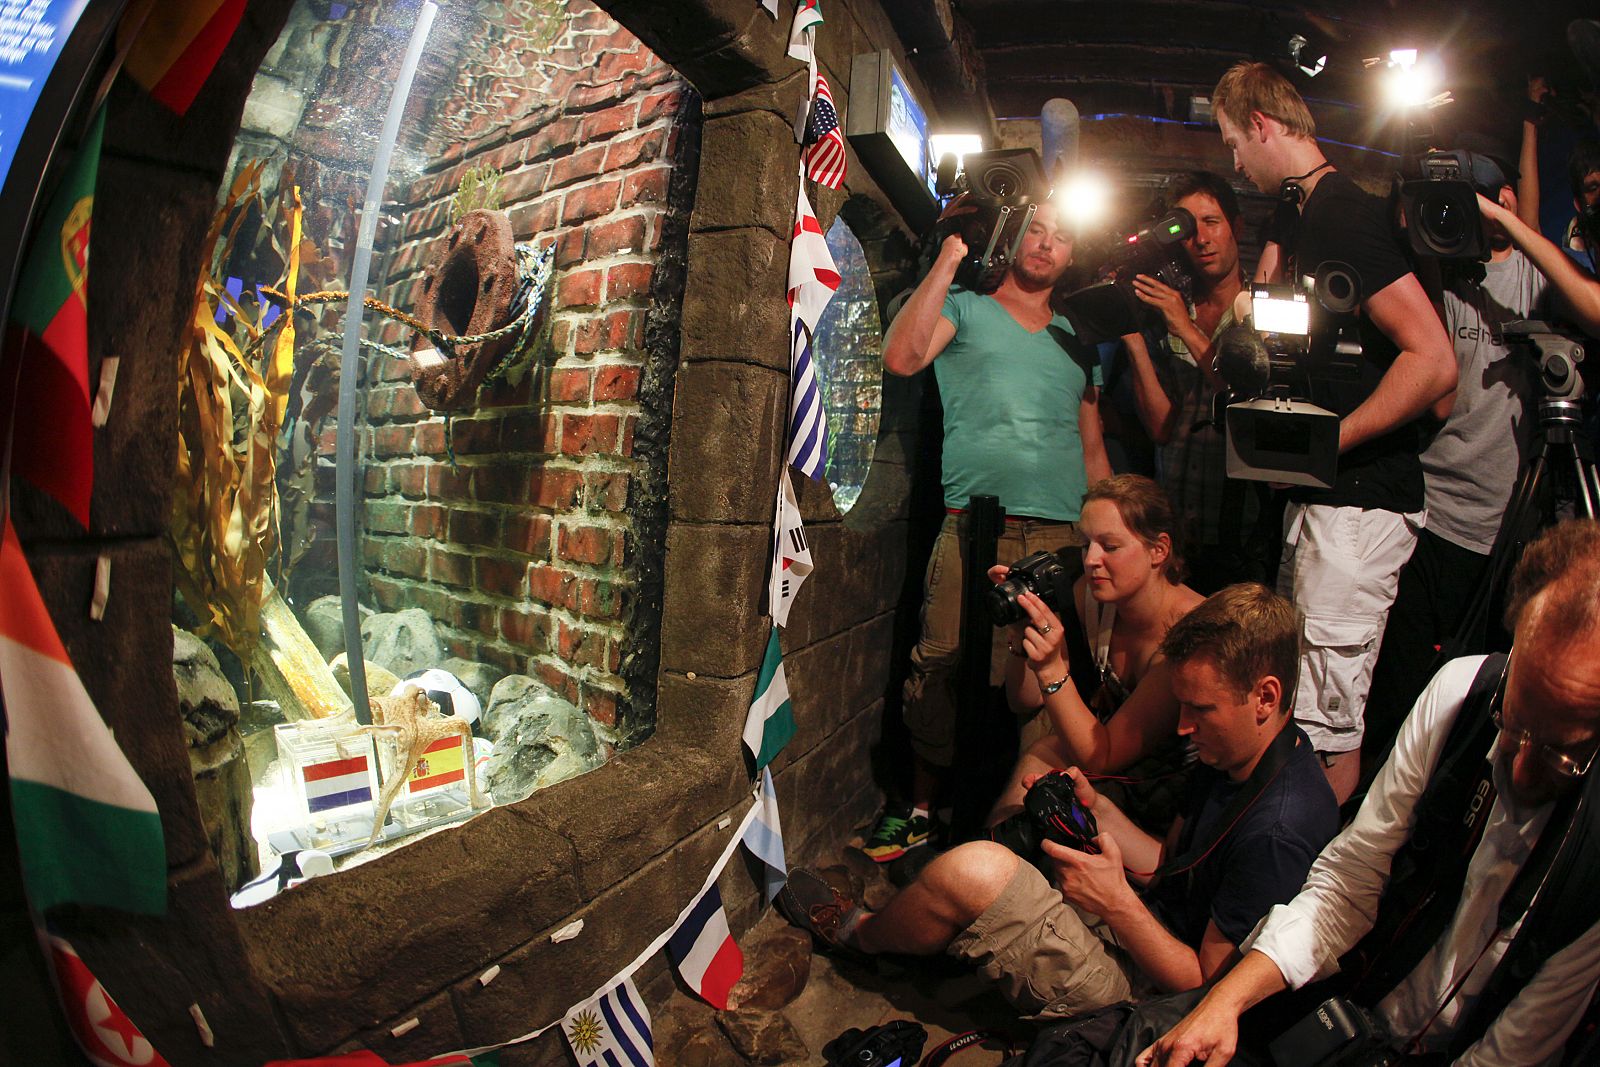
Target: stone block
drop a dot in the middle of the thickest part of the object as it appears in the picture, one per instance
(763, 1037)
(346, 953)
(716, 580)
(781, 98)
(689, 708)
(735, 410)
(436, 1030)
(540, 979)
(721, 46)
(734, 308)
(747, 173)
(865, 571)
(830, 790)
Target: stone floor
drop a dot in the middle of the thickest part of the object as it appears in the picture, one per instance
(792, 1001)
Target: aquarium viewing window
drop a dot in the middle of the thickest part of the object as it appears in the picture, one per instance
(489, 397)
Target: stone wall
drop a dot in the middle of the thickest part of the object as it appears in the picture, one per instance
(344, 960)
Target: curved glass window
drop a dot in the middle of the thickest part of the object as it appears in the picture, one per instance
(848, 350)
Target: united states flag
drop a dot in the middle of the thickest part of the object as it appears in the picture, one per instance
(824, 151)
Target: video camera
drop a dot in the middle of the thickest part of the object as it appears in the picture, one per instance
(1297, 336)
(1110, 308)
(1440, 204)
(996, 194)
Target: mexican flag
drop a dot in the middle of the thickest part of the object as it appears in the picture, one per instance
(87, 828)
(52, 438)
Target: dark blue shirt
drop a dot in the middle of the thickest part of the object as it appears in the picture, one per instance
(1260, 862)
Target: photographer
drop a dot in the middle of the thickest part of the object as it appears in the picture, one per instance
(1020, 423)
(1472, 464)
(1458, 1000)
(1343, 547)
(1175, 384)
(1258, 814)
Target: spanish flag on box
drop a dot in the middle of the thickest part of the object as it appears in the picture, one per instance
(441, 763)
(178, 45)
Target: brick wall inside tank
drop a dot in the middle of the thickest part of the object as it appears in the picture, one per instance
(523, 549)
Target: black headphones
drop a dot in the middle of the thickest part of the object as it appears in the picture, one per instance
(1292, 192)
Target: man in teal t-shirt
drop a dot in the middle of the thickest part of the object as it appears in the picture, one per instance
(1020, 423)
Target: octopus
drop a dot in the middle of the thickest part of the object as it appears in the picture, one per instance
(413, 721)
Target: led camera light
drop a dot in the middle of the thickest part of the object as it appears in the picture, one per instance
(1272, 313)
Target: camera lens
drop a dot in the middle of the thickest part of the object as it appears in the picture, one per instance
(1443, 218)
(1002, 180)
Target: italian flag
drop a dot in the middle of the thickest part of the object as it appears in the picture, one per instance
(87, 828)
(53, 440)
(179, 44)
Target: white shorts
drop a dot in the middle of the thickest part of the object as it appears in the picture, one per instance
(1341, 567)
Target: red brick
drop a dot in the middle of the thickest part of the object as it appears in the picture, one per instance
(624, 330)
(393, 441)
(501, 577)
(528, 433)
(579, 289)
(558, 680)
(386, 593)
(555, 139)
(587, 435)
(616, 381)
(499, 483)
(448, 483)
(585, 544)
(608, 123)
(401, 557)
(590, 202)
(550, 586)
(561, 337)
(385, 517)
(570, 383)
(616, 237)
(527, 628)
(406, 403)
(509, 662)
(588, 337)
(641, 148)
(607, 491)
(598, 599)
(479, 618)
(410, 479)
(585, 97)
(628, 279)
(476, 529)
(614, 65)
(580, 647)
(557, 489)
(625, 448)
(528, 534)
(646, 186)
(569, 249)
(430, 438)
(474, 436)
(600, 706)
(659, 103)
(451, 568)
(530, 220)
(581, 166)
(524, 184)
(429, 521)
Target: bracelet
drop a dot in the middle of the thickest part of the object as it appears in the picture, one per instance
(1054, 687)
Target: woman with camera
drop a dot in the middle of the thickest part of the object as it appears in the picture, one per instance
(1130, 594)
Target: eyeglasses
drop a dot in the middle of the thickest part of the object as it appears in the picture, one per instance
(1553, 758)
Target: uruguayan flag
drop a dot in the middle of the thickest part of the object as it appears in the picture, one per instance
(612, 1030)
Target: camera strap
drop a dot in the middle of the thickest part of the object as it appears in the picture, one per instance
(1192, 851)
(1429, 870)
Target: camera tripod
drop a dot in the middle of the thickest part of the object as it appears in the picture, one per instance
(1561, 474)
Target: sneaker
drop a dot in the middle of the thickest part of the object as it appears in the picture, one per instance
(810, 902)
(898, 831)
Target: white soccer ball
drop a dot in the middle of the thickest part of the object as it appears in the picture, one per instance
(445, 690)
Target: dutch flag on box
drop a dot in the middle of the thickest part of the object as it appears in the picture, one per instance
(338, 782)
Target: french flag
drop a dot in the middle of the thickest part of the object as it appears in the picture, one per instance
(337, 783)
(703, 950)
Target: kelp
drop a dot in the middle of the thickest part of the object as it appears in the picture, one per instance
(233, 388)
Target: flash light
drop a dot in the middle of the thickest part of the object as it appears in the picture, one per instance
(1280, 310)
(1083, 200)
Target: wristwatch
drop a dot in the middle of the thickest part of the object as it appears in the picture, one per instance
(1053, 687)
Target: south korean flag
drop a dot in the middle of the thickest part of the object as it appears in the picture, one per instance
(791, 556)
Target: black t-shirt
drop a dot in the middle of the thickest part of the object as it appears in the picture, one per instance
(1260, 862)
(1342, 223)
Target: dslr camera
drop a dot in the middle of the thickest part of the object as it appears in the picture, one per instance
(1040, 574)
(1050, 812)
(892, 1044)
(1110, 308)
(995, 195)
(1298, 335)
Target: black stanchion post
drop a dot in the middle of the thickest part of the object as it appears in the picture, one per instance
(969, 802)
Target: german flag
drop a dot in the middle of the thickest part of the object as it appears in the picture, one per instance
(179, 44)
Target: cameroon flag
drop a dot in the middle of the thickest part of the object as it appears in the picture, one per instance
(52, 439)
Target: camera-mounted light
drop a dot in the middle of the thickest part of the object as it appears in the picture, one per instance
(1411, 81)
(1310, 62)
(1083, 201)
(1280, 309)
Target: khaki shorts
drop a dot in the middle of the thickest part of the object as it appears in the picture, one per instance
(1043, 953)
(929, 707)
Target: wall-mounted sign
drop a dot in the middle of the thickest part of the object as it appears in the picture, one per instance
(888, 126)
(31, 37)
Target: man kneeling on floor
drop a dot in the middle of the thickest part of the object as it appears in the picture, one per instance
(1250, 830)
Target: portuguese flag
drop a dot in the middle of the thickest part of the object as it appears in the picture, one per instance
(52, 439)
(87, 828)
(179, 44)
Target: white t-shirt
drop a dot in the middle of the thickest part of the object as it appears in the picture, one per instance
(1471, 466)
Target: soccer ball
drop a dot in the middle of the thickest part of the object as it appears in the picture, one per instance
(445, 690)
